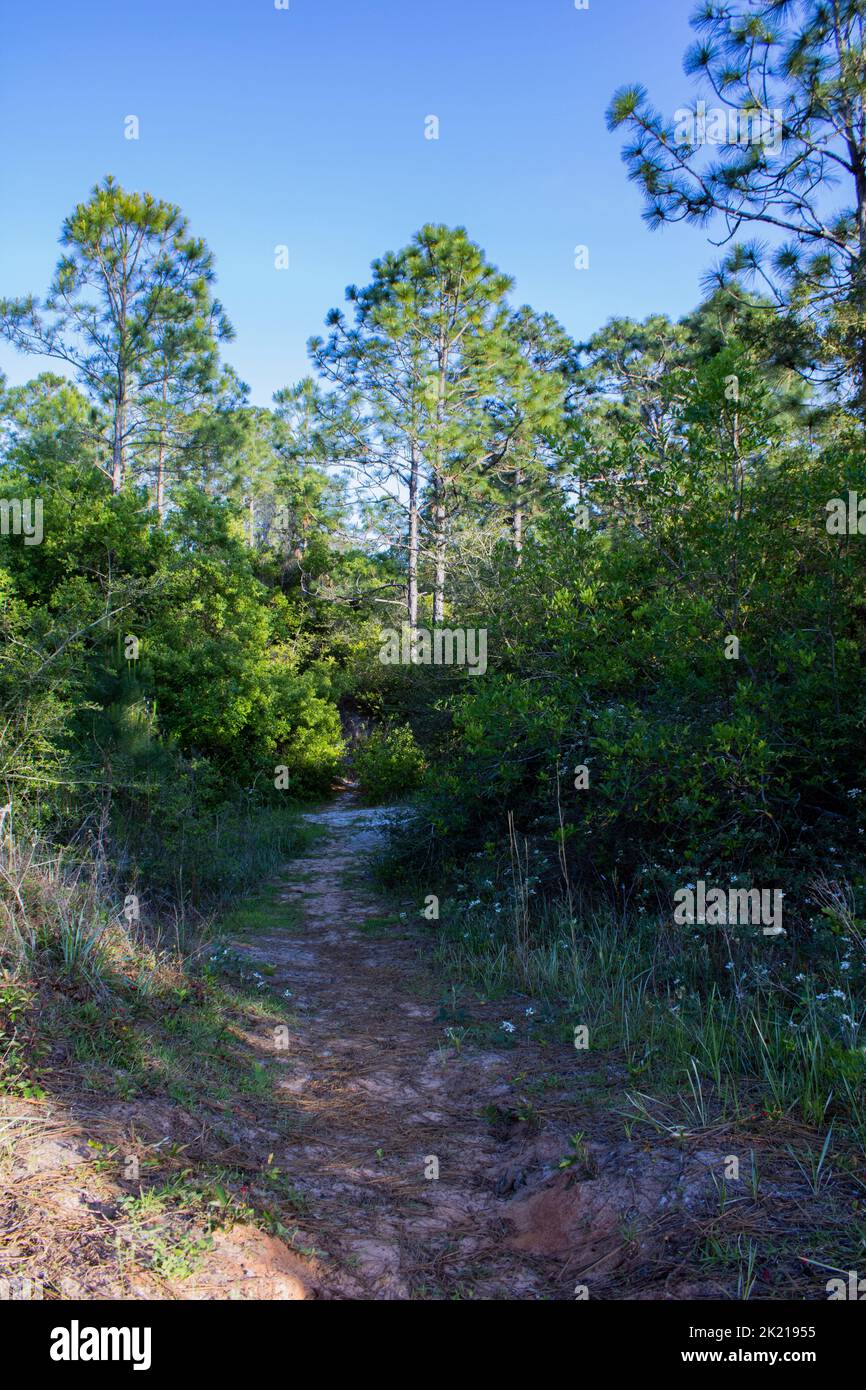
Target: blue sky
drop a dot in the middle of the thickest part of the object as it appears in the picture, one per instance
(306, 128)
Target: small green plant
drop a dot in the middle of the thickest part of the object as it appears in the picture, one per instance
(813, 1165)
(15, 1078)
(178, 1258)
(746, 1269)
(456, 1037)
(579, 1156)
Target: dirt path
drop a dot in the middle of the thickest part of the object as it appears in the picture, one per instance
(384, 1099)
(350, 1129)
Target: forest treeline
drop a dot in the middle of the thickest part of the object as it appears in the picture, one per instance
(638, 523)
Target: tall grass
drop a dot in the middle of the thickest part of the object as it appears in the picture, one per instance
(760, 1038)
(67, 911)
(90, 944)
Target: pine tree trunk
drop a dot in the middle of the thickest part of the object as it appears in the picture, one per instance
(117, 439)
(160, 482)
(160, 467)
(439, 555)
(117, 461)
(860, 290)
(517, 517)
(439, 488)
(412, 587)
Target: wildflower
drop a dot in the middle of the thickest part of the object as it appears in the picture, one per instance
(506, 1026)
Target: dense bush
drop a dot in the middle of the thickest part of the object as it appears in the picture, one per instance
(389, 763)
(607, 650)
(149, 684)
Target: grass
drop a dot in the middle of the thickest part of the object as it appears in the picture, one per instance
(645, 990)
(750, 1047)
(138, 1000)
(218, 857)
(170, 1223)
(97, 1003)
(256, 913)
(379, 927)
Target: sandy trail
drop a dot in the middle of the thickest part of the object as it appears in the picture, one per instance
(419, 1165)
(383, 1099)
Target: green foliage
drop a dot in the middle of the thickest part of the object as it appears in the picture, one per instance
(152, 677)
(130, 309)
(608, 650)
(389, 763)
(782, 131)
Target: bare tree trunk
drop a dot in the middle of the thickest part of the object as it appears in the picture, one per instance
(160, 467)
(117, 441)
(860, 291)
(439, 489)
(412, 588)
(439, 541)
(160, 481)
(117, 460)
(517, 517)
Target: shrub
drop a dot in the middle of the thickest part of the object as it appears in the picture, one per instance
(389, 763)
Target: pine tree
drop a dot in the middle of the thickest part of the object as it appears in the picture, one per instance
(788, 122)
(130, 310)
(411, 378)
